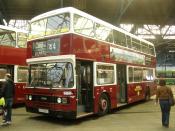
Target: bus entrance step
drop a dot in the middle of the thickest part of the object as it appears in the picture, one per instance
(121, 104)
(82, 114)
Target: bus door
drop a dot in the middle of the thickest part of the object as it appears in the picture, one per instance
(84, 72)
(122, 81)
(3, 70)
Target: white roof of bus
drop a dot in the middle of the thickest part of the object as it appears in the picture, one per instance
(12, 29)
(81, 13)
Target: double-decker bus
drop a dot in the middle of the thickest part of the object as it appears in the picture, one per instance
(13, 55)
(80, 65)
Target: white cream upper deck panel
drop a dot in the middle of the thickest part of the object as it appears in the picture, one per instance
(81, 13)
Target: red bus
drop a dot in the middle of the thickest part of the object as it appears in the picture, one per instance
(80, 65)
(13, 55)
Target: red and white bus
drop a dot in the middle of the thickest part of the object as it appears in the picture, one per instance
(80, 65)
(13, 55)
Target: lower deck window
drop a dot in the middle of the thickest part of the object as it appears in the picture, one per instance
(138, 74)
(105, 74)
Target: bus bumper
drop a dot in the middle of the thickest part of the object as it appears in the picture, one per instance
(58, 114)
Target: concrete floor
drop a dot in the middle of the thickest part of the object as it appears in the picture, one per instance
(143, 116)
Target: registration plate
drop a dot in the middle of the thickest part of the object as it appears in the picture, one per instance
(43, 111)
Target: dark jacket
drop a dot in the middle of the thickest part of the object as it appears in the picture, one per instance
(8, 89)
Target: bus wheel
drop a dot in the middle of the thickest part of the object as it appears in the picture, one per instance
(103, 105)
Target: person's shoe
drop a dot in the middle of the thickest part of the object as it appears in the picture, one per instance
(9, 122)
(166, 126)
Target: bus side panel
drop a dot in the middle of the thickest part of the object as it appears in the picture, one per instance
(13, 56)
(65, 46)
(110, 91)
(19, 93)
(29, 50)
(87, 48)
(151, 86)
(135, 92)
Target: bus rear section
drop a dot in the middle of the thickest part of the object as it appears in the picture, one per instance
(13, 55)
(14, 63)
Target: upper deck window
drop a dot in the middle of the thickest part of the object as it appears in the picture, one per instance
(58, 24)
(145, 48)
(83, 25)
(151, 50)
(119, 38)
(7, 37)
(50, 26)
(128, 41)
(22, 39)
(37, 29)
(103, 33)
(136, 44)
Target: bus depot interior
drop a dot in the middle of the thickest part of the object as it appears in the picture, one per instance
(72, 64)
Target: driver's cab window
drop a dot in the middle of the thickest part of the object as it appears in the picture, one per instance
(68, 75)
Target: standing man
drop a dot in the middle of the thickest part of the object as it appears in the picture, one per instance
(163, 94)
(8, 93)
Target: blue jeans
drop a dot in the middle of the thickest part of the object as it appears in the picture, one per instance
(165, 109)
(8, 109)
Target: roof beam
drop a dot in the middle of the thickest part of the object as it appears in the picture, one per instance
(3, 12)
(124, 4)
(135, 28)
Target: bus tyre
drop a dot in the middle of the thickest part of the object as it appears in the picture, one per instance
(103, 105)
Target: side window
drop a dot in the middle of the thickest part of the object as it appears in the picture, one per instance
(136, 44)
(37, 29)
(145, 48)
(151, 48)
(58, 24)
(22, 40)
(128, 41)
(103, 33)
(137, 74)
(22, 74)
(7, 37)
(83, 26)
(130, 74)
(105, 74)
(119, 38)
(69, 75)
(148, 74)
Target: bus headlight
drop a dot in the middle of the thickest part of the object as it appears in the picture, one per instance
(30, 97)
(59, 100)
